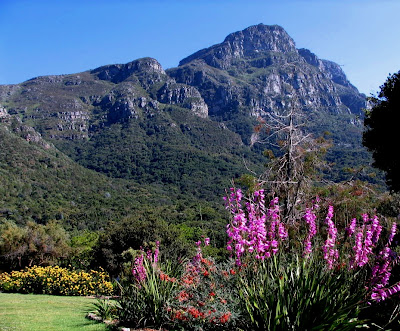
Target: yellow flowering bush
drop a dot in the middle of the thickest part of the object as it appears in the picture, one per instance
(56, 280)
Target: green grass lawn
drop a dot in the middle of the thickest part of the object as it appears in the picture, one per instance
(45, 312)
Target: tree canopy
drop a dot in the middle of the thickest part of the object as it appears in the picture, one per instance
(381, 135)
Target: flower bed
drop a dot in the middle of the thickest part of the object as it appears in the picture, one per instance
(318, 279)
(56, 280)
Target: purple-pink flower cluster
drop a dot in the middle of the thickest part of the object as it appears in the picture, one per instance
(352, 227)
(384, 293)
(310, 218)
(199, 254)
(331, 254)
(392, 233)
(139, 271)
(366, 237)
(382, 269)
(255, 228)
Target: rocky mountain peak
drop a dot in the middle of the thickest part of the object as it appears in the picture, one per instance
(259, 38)
(146, 64)
(336, 73)
(246, 43)
(331, 69)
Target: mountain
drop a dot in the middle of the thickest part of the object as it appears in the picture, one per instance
(187, 130)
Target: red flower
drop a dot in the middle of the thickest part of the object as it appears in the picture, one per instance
(232, 272)
(206, 261)
(183, 296)
(225, 317)
(164, 276)
(188, 280)
(194, 312)
(179, 316)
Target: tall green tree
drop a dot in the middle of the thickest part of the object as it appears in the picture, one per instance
(381, 134)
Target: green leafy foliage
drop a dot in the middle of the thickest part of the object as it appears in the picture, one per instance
(173, 151)
(133, 233)
(42, 185)
(380, 133)
(82, 249)
(143, 304)
(292, 293)
(105, 309)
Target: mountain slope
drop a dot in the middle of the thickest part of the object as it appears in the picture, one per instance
(133, 121)
(40, 183)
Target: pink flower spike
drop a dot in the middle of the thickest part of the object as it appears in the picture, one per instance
(330, 253)
(156, 252)
(392, 232)
(352, 227)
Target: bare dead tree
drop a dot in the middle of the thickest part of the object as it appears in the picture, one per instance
(290, 174)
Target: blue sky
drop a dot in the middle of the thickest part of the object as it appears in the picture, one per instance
(44, 37)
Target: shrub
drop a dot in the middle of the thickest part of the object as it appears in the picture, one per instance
(205, 298)
(288, 292)
(56, 280)
(105, 309)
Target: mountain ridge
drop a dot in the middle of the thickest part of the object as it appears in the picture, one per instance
(190, 127)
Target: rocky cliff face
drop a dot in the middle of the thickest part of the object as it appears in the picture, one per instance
(252, 72)
(183, 95)
(72, 106)
(248, 43)
(15, 125)
(259, 69)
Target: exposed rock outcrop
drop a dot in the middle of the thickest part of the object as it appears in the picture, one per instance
(183, 95)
